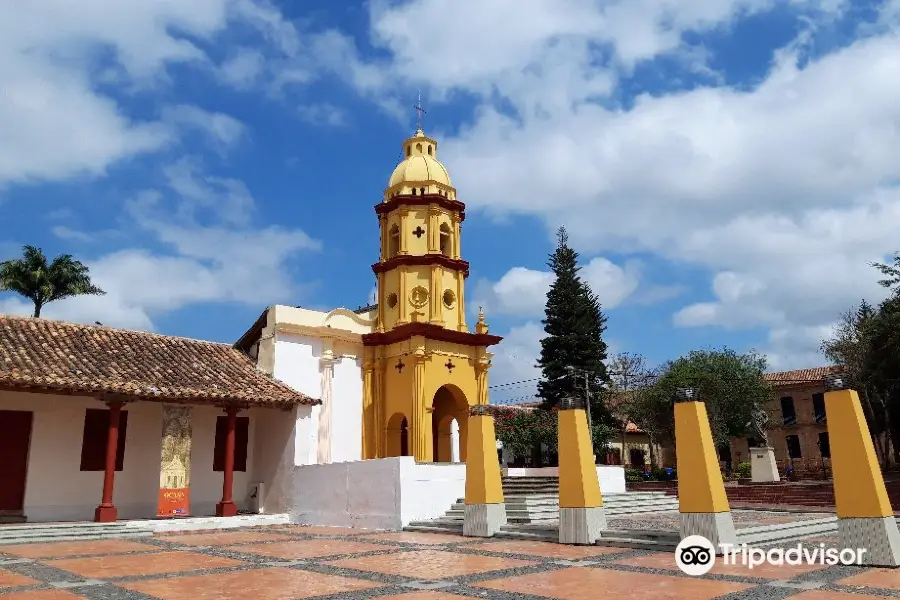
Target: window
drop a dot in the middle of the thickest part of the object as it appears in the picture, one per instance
(394, 241)
(793, 446)
(429, 150)
(392, 300)
(819, 407)
(408, 150)
(93, 440)
(788, 414)
(241, 437)
(445, 239)
(824, 445)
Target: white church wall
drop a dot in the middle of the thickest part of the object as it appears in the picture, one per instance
(57, 490)
(297, 364)
(346, 427)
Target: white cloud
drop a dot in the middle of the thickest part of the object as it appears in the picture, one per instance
(54, 124)
(515, 360)
(522, 292)
(322, 114)
(221, 128)
(228, 198)
(224, 260)
(243, 68)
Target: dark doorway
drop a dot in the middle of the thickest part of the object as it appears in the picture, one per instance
(404, 437)
(636, 458)
(16, 428)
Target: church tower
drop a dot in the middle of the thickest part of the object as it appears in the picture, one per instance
(423, 368)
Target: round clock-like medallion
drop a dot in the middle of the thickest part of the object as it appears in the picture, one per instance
(418, 297)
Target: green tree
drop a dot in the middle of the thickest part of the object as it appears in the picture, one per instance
(866, 343)
(573, 351)
(851, 347)
(884, 365)
(730, 385)
(891, 273)
(32, 277)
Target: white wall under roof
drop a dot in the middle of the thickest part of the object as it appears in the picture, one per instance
(57, 490)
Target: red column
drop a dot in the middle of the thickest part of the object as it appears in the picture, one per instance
(227, 507)
(107, 512)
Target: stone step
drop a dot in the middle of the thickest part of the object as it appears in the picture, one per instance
(67, 526)
(52, 532)
(785, 532)
(459, 511)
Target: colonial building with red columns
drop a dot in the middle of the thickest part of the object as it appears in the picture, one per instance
(102, 424)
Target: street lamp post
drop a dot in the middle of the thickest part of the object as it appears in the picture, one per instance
(587, 398)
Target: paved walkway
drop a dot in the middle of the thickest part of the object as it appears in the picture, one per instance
(287, 562)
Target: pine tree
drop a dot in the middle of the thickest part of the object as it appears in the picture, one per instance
(574, 324)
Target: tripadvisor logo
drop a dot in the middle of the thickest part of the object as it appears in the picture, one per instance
(695, 555)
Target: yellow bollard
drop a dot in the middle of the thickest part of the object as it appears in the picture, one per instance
(701, 493)
(865, 517)
(581, 516)
(485, 512)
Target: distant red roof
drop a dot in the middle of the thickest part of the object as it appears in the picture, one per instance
(814, 375)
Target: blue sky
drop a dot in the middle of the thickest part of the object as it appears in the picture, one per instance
(726, 168)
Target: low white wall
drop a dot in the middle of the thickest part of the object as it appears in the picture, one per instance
(428, 491)
(57, 490)
(386, 493)
(612, 478)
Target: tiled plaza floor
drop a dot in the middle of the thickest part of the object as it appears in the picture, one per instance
(288, 562)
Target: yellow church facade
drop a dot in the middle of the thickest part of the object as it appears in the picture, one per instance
(422, 367)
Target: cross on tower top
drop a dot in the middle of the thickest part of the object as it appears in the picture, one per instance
(419, 112)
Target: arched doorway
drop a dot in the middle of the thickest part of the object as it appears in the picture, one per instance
(397, 436)
(448, 421)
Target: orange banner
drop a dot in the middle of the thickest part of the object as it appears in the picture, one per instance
(175, 463)
(174, 502)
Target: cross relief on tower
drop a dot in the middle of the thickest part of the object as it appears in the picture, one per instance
(421, 318)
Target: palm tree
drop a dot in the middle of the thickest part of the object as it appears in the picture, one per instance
(41, 283)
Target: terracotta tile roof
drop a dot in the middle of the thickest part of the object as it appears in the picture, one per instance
(813, 375)
(41, 354)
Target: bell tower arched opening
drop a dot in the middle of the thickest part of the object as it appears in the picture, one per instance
(445, 241)
(394, 241)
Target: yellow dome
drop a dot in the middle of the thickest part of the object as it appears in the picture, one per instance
(421, 163)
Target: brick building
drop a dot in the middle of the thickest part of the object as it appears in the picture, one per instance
(797, 422)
